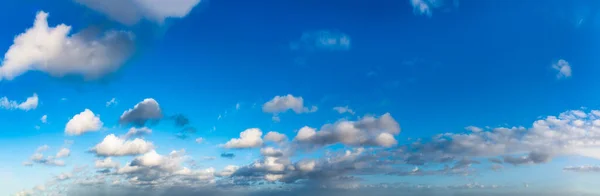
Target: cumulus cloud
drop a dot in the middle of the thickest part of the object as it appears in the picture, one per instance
(271, 152)
(106, 163)
(137, 132)
(115, 146)
(564, 69)
(369, 131)
(63, 152)
(249, 138)
(322, 40)
(29, 104)
(56, 51)
(344, 109)
(130, 12)
(83, 122)
(274, 136)
(426, 7)
(147, 110)
(284, 103)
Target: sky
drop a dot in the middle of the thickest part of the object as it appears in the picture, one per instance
(271, 97)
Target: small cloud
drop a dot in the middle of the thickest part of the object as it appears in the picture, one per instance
(29, 104)
(343, 110)
(227, 155)
(564, 69)
(426, 7)
(249, 138)
(111, 102)
(83, 122)
(237, 106)
(199, 140)
(137, 132)
(323, 40)
(44, 119)
(144, 111)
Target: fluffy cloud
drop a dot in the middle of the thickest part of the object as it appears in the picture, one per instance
(137, 132)
(106, 163)
(54, 51)
(115, 146)
(29, 104)
(147, 110)
(426, 7)
(323, 40)
(63, 152)
(250, 138)
(132, 11)
(344, 109)
(83, 122)
(44, 119)
(370, 131)
(275, 137)
(281, 104)
(564, 69)
(271, 152)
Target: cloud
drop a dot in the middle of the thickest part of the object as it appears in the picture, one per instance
(199, 140)
(426, 7)
(531, 158)
(111, 102)
(368, 131)
(343, 110)
(63, 152)
(564, 69)
(29, 104)
(227, 155)
(44, 119)
(147, 110)
(473, 129)
(274, 136)
(583, 168)
(115, 146)
(83, 122)
(284, 103)
(137, 132)
(106, 163)
(271, 152)
(322, 40)
(54, 51)
(180, 120)
(130, 12)
(249, 138)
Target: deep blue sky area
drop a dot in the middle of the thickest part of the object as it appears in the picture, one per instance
(427, 96)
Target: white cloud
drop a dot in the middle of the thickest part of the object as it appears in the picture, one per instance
(473, 129)
(63, 152)
(137, 132)
(44, 119)
(583, 168)
(42, 148)
(111, 102)
(271, 152)
(564, 69)
(130, 12)
(199, 140)
(344, 109)
(144, 111)
(54, 51)
(106, 163)
(39, 158)
(426, 7)
(369, 131)
(83, 122)
(281, 104)
(275, 137)
(323, 40)
(29, 104)
(250, 138)
(115, 146)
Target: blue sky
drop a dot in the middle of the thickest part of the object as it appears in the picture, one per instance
(430, 97)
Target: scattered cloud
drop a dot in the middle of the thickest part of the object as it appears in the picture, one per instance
(63, 152)
(141, 113)
(274, 136)
(426, 7)
(29, 104)
(227, 155)
(130, 12)
(111, 102)
(44, 119)
(473, 129)
(55, 51)
(280, 104)
(199, 140)
(137, 132)
(344, 109)
(115, 146)
(83, 122)
(369, 131)
(322, 40)
(564, 69)
(249, 138)
(583, 168)
(39, 158)
(106, 163)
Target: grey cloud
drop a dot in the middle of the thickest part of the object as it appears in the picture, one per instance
(143, 112)
(227, 155)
